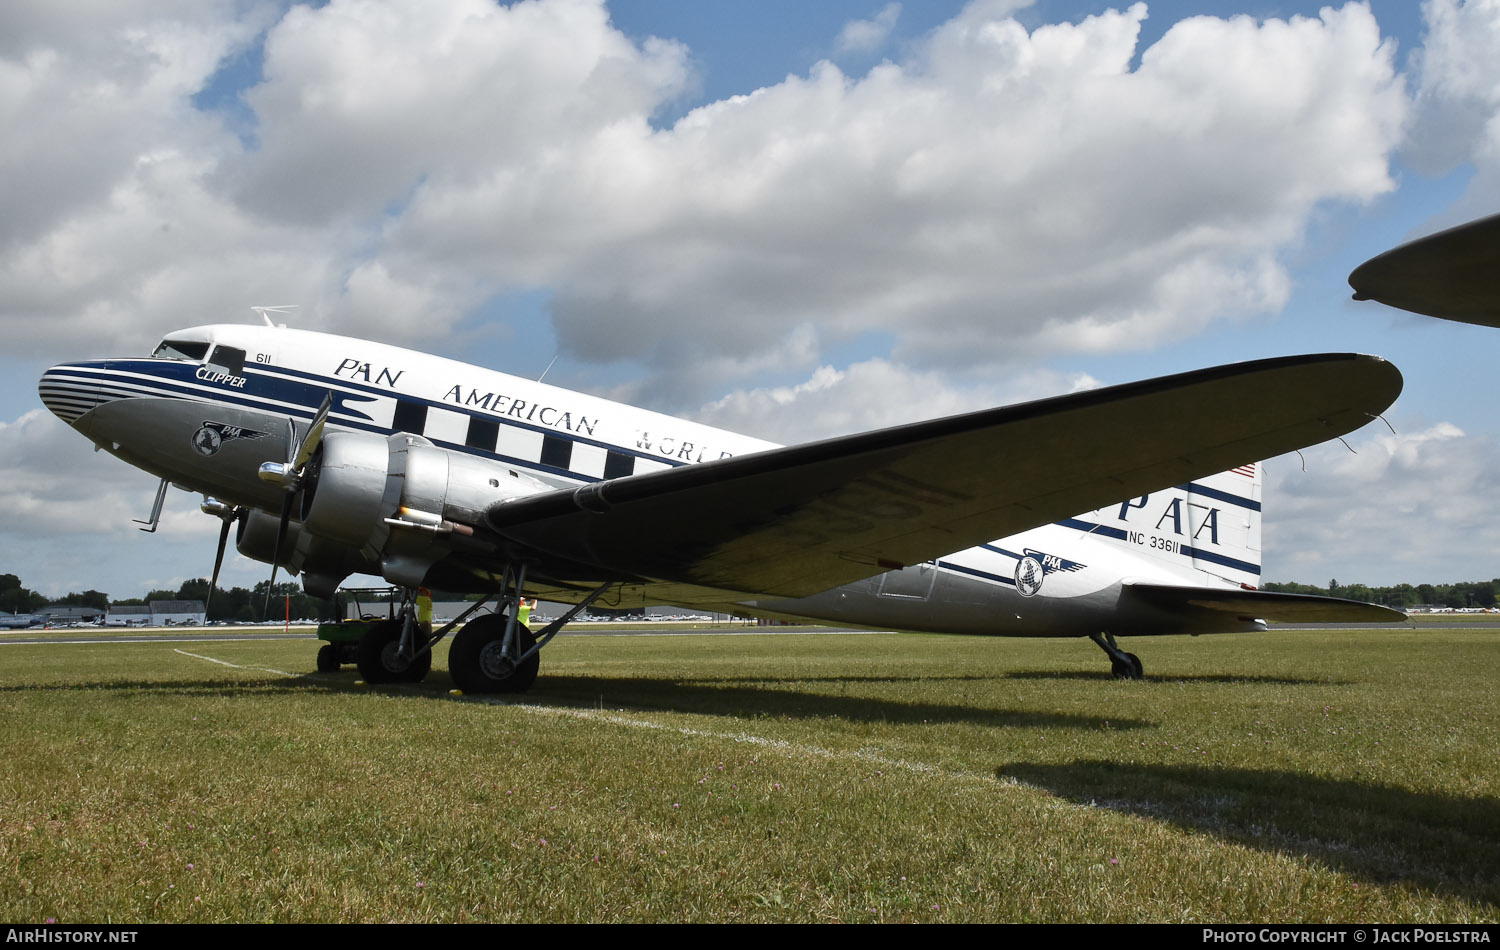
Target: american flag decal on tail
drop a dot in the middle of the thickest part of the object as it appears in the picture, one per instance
(1246, 470)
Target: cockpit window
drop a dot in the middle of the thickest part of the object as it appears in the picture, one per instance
(189, 350)
(228, 358)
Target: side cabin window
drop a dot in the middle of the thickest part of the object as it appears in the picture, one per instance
(228, 358)
(190, 350)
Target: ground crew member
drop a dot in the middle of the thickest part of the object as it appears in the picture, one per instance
(424, 610)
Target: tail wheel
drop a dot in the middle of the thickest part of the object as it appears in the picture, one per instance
(379, 662)
(1131, 669)
(477, 665)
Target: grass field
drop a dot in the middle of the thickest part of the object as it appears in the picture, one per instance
(1285, 776)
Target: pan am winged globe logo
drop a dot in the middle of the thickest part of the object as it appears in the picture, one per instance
(1029, 576)
(212, 435)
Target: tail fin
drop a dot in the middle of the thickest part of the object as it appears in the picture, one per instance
(1211, 525)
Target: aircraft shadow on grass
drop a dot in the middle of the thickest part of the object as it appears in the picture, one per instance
(743, 699)
(1375, 832)
(1251, 679)
(269, 685)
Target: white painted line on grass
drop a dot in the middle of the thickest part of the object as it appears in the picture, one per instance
(812, 751)
(262, 669)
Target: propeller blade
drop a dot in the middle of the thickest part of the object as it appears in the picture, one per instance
(289, 477)
(218, 563)
(314, 435)
(286, 516)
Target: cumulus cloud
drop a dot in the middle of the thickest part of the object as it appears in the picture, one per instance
(364, 101)
(107, 223)
(69, 519)
(867, 36)
(1398, 507)
(91, 501)
(1030, 192)
(1457, 104)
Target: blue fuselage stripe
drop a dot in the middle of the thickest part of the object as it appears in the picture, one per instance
(1217, 495)
(1187, 550)
(975, 572)
(285, 397)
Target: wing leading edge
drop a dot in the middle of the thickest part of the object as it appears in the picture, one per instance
(794, 521)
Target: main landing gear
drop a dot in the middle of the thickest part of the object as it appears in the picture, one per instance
(497, 653)
(1124, 666)
(479, 662)
(397, 650)
(385, 655)
(493, 653)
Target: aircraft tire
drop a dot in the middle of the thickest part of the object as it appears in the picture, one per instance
(475, 663)
(377, 659)
(328, 658)
(1130, 669)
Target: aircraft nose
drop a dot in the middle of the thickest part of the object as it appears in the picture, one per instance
(70, 390)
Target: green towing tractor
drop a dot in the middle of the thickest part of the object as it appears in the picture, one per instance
(372, 605)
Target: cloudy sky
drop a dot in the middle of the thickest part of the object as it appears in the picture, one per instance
(789, 219)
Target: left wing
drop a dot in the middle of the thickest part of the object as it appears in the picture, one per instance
(794, 521)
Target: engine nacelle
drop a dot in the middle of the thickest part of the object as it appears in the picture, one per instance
(324, 563)
(400, 500)
(344, 493)
(255, 537)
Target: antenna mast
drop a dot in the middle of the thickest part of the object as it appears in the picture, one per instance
(265, 313)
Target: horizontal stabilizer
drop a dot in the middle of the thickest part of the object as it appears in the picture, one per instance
(1263, 604)
(798, 520)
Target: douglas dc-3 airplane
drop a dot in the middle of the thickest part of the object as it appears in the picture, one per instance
(337, 456)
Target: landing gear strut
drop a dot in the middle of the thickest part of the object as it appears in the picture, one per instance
(496, 653)
(398, 650)
(381, 656)
(491, 654)
(1124, 666)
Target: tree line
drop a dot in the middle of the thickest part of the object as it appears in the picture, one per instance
(1402, 596)
(229, 603)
